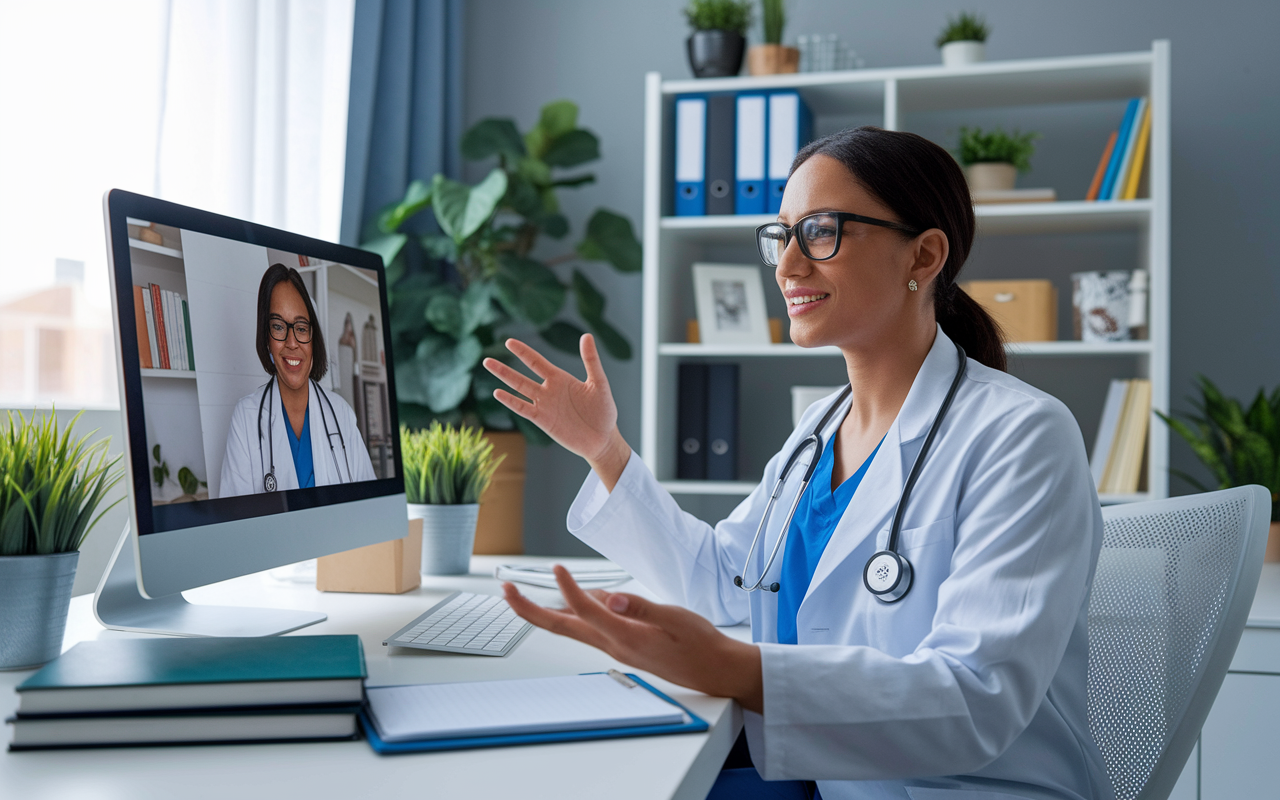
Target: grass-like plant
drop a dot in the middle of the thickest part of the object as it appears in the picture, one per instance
(719, 15)
(774, 18)
(444, 465)
(1239, 447)
(50, 485)
(985, 147)
(964, 28)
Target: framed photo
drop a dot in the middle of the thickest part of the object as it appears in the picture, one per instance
(730, 299)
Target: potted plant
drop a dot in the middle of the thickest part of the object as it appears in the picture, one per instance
(446, 469)
(460, 286)
(50, 488)
(772, 58)
(963, 40)
(1239, 447)
(992, 160)
(719, 29)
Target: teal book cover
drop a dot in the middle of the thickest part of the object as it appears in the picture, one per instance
(168, 661)
(186, 324)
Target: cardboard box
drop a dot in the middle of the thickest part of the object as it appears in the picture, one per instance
(388, 568)
(1027, 311)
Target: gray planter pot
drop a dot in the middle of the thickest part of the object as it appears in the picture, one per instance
(448, 537)
(35, 592)
(715, 54)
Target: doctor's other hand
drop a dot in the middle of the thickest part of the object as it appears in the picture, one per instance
(579, 415)
(671, 642)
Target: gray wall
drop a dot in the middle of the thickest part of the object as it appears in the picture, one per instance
(1226, 287)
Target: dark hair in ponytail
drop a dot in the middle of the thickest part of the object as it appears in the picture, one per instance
(922, 184)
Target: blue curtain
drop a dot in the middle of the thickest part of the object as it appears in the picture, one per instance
(404, 118)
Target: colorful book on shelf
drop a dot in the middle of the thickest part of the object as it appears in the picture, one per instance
(1117, 153)
(186, 335)
(1139, 156)
(162, 340)
(1107, 425)
(140, 324)
(1130, 145)
(1096, 184)
(152, 342)
(1123, 471)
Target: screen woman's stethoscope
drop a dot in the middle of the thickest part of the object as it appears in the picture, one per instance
(888, 572)
(269, 480)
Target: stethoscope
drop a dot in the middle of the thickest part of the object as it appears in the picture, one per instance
(888, 572)
(269, 480)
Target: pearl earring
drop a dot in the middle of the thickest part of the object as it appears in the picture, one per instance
(912, 285)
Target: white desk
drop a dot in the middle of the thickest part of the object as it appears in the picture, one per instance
(682, 766)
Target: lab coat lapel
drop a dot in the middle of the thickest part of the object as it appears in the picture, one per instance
(321, 459)
(873, 504)
(286, 475)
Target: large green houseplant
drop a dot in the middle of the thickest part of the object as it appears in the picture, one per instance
(456, 293)
(51, 487)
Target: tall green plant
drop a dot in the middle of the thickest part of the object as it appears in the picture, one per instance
(50, 485)
(455, 294)
(774, 18)
(719, 15)
(444, 465)
(1239, 447)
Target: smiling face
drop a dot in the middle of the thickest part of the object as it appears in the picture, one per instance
(859, 297)
(292, 359)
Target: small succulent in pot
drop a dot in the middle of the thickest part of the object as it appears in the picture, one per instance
(963, 40)
(993, 159)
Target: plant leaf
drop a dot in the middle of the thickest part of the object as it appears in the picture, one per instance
(522, 196)
(554, 225)
(562, 336)
(574, 181)
(490, 137)
(610, 238)
(439, 375)
(558, 117)
(591, 307)
(528, 290)
(416, 197)
(444, 313)
(462, 209)
(534, 170)
(388, 246)
(476, 308)
(572, 148)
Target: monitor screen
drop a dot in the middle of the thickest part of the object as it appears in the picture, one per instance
(256, 377)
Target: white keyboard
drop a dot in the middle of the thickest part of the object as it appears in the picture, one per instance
(473, 624)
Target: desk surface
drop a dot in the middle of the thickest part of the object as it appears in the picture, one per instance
(682, 766)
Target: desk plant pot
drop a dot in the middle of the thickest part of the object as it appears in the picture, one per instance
(772, 57)
(35, 592)
(51, 485)
(992, 159)
(991, 177)
(446, 470)
(716, 54)
(963, 40)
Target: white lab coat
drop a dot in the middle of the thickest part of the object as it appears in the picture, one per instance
(246, 463)
(978, 674)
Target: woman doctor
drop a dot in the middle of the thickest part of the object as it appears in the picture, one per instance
(972, 684)
(291, 433)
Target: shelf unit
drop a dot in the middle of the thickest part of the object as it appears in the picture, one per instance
(188, 374)
(889, 97)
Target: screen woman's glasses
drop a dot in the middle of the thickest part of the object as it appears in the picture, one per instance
(817, 234)
(279, 330)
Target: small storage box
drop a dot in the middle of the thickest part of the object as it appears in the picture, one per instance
(1027, 311)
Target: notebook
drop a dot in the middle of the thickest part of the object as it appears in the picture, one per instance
(452, 716)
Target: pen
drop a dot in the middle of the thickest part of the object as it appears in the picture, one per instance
(622, 679)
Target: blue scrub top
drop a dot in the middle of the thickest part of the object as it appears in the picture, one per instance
(815, 520)
(301, 448)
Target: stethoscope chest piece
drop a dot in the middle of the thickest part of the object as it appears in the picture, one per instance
(269, 482)
(887, 576)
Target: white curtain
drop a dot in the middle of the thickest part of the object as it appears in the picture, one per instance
(253, 109)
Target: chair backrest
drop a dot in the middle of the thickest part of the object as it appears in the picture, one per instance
(1170, 598)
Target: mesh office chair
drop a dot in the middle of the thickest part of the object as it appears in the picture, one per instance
(1171, 595)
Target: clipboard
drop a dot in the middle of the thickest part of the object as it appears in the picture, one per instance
(695, 724)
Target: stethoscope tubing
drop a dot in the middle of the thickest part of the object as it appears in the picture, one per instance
(269, 479)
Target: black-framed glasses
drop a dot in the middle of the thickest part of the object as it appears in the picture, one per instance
(278, 329)
(818, 235)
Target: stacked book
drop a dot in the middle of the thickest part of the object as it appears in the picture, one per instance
(170, 691)
(164, 328)
(1120, 169)
(1122, 437)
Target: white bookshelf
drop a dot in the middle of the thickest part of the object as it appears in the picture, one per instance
(889, 97)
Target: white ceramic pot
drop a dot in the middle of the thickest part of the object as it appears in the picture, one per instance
(448, 536)
(990, 177)
(957, 54)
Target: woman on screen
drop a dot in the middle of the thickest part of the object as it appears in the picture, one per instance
(291, 433)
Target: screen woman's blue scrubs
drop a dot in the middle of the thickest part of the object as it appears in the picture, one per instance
(300, 446)
(815, 520)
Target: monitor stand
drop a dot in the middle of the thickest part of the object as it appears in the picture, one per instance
(119, 605)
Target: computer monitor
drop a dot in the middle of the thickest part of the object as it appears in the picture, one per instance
(258, 402)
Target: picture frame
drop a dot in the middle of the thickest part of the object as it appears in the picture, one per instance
(730, 303)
